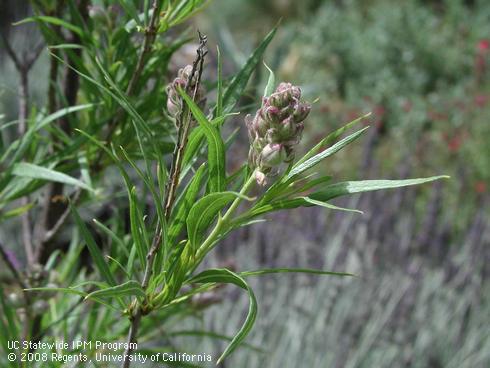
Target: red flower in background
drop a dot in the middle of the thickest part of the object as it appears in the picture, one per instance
(480, 187)
(483, 45)
(454, 144)
(481, 100)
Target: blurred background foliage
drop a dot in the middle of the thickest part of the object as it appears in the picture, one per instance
(422, 254)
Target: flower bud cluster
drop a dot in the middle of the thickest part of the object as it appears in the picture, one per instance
(174, 100)
(275, 129)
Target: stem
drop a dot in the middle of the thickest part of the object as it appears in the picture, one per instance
(132, 336)
(222, 222)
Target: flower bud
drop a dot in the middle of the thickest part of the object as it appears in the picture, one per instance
(275, 129)
(272, 155)
(174, 100)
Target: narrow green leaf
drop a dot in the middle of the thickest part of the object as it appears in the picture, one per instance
(137, 227)
(299, 168)
(203, 212)
(329, 139)
(93, 248)
(33, 171)
(237, 85)
(112, 235)
(132, 11)
(195, 139)
(59, 289)
(229, 277)
(52, 20)
(271, 82)
(336, 190)
(184, 205)
(216, 147)
(129, 288)
(329, 206)
(351, 187)
(17, 211)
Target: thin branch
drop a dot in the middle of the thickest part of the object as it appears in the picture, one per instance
(48, 235)
(11, 53)
(31, 59)
(150, 35)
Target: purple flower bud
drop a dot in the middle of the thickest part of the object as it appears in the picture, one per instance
(174, 100)
(301, 112)
(276, 129)
(260, 177)
(272, 155)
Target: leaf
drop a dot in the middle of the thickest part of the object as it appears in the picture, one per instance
(336, 190)
(129, 288)
(17, 211)
(203, 213)
(138, 228)
(216, 147)
(351, 187)
(237, 85)
(329, 139)
(329, 206)
(299, 168)
(94, 250)
(132, 11)
(59, 289)
(228, 277)
(33, 171)
(195, 140)
(184, 204)
(26, 139)
(112, 235)
(268, 271)
(52, 20)
(271, 82)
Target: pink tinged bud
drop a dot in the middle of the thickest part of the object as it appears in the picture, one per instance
(288, 128)
(302, 111)
(260, 177)
(272, 155)
(272, 113)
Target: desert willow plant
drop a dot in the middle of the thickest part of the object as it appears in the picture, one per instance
(197, 205)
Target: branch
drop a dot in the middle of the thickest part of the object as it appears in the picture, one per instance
(150, 35)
